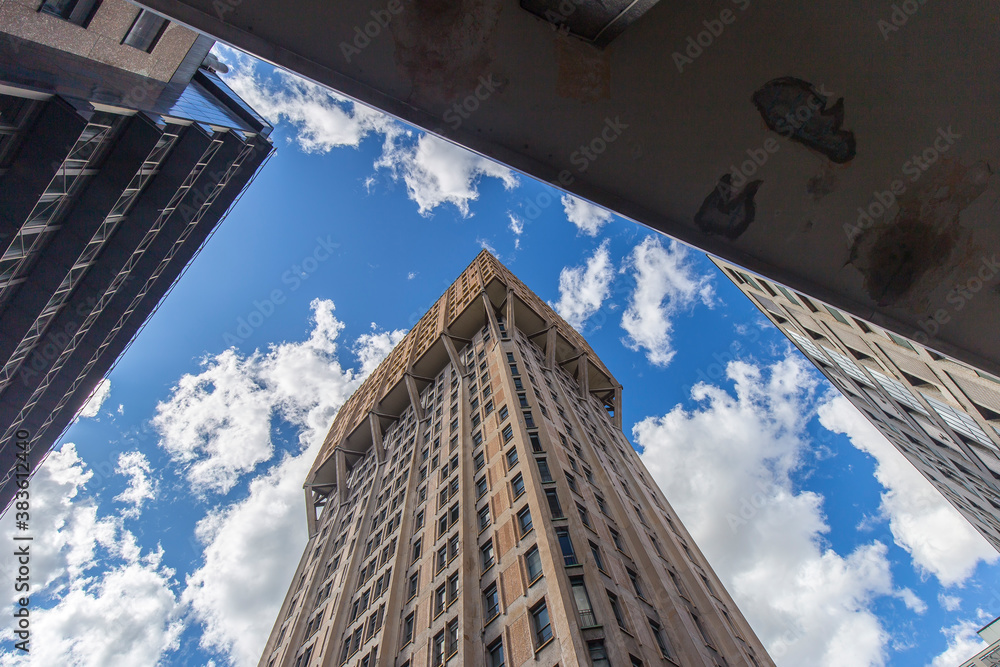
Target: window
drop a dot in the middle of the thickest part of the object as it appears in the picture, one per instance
(453, 515)
(543, 470)
(517, 485)
(540, 623)
(437, 653)
(601, 505)
(598, 560)
(617, 609)
(452, 638)
(617, 539)
(452, 588)
(479, 461)
(439, 599)
(566, 544)
(491, 602)
(598, 653)
(572, 483)
(416, 550)
(484, 518)
(522, 400)
(452, 547)
(508, 433)
(534, 564)
(476, 420)
(442, 524)
(480, 487)
(554, 507)
(536, 443)
(488, 408)
(513, 369)
(486, 551)
(517, 384)
(414, 582)
(589, 475)
(584, 515)
(145, 31)
(634, 661)
(582, 599)
(512, 458)
(528, 419)
(75, 11)
(408, 624)
(661, 641)
(442, 558)
(419, 520)
(495, 653)
(503, 413)
(477, 438)
(524, 521)
(634, 578)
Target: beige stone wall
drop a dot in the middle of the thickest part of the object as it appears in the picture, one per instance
(102, 39)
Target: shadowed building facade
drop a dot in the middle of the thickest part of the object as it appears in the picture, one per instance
(476, 503)
(941, 414)
(119, 155)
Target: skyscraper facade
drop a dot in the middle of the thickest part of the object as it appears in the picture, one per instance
(476, 503)
(941, 414)
(110, 181)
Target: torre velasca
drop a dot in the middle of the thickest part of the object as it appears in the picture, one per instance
(476, 503)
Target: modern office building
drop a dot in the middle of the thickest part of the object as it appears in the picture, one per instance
(118, 157)
(847, 152)
(943, 415)
(989, 656)
(476, 503)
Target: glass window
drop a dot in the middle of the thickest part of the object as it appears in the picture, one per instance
(453, 547)
(408, 624)
(572, 483)
(477, 438)
(512, 458)
(488, 408)
(584, 515)
(661, 641)
(414, 582)
(416, 550)
(566, 544)
(484, 518)
(522, 400)
(598, 560)
(517, 485)
(598, 653)
(452, 588)
(439, 599)
(452, 641)
(543, 470)
(419, 519)
(582, 599)
(540, 622)
(437, 654)
(508, 433)
(495, 652)
(634, 578)
(534, 563)
(480, 487)
(491, 601)
(554, 507)
(486, 551)
(617, 609)
(479, 461)
(536, 443)
(617, 539)
(442, 558)
(528, 419)
(503, 413)
(517, 384)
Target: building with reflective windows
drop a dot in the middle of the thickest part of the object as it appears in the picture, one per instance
(943, 415)
(119, 154)
(476, 503)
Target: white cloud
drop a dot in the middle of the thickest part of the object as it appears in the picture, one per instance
(487, 246)
(113, 605)
(666, 284)
(588, 218)
(582, 289)
(218, 423)
(252, 545)
(141, 488)
(411, 275)
(963, 643)
(949, 602)
(911, 600)
(372, 348)
(940, 541)
(434, 171)
(96, 400)
(516, 226)
(438, 172)
(809, 604)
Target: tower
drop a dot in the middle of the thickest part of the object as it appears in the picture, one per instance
(476, 503)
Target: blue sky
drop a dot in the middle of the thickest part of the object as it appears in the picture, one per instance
(170, 517)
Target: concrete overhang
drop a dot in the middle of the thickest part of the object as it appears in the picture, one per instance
(846, 150)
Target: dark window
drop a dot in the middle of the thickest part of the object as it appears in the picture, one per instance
(634, 578)
(598, 653)
(566, 544)
(554, 507)
(414, 581)
(491, 601)
(508, 433)
(661, 641)
(439, 598)
(452, 647)
(617, 539)
(145, 31)
(517, 485)
(480, 487)
(572, 483)
(479, 461)
(487, 555)
(528, 419)
(582, 599)
(484, 518)
(495, 652)
(512, 458)
(584, 515)
(617, 609)
(543, 470)
(598, 560)
(524, 521)
(502, 414)
(437, 654)
(75, 11)
(408, 628)
(534, 564)
(540, 622)
(536, 443)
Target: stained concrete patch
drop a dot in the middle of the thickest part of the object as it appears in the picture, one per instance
(798, 110)
(726, 211)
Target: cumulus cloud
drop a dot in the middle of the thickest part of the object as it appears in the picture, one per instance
(435, 171)
(808, 603)
(217, 423)
(372, 348)
(135, 466)
(937, 537)
(588, 218)
(666, 283)
(97, 599)
(96, 400)
(949, 602)
(582, 289)
(237, 590)
(963, 643)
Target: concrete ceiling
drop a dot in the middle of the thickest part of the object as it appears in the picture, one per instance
(755, 131)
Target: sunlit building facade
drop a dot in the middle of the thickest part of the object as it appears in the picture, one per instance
(476, 503)
(943, 415)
